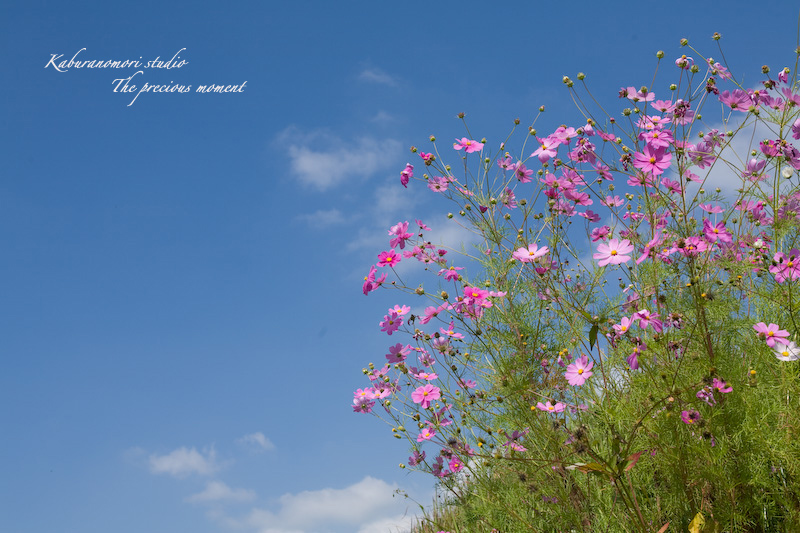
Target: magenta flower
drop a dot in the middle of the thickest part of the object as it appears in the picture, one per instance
(416, 459)
(578, 372)
(772, 333)
(614, 252)
(456, 464)
(738, 100)
(407, 174)
(391, 323)
(388, 258)
(370, 283)
(400, 235)
(653, 160)
(690, 417)
(398, 353)
(531, 253)
(425, 395)
(451, 273)
(786, 268)
(717, 232)
(468, 145)
(721, 385)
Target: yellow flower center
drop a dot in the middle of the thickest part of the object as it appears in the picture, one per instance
(580, 371)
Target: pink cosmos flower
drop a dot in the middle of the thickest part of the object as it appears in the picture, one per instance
(398, 353)
(362, 405)
(600, 233)
(717, 232)
(738, 100)
(657, 138)
(468, 145)
(456, 465)
(400, 235)
(401, 310)
(548, 147)
(772, 333)
(786, 268)
(523, 173)
(690, 417)
(531, 253)
(721, 386)
(426, 434)
(370, 283)
(416, 459)
(624, 325)
(550, 408)
(391, 323)
(578, 372)
(406, 175)
(451, 273)
(614, 252)
(425, 395)
(388, 258)
(653, 160)
(438, 183)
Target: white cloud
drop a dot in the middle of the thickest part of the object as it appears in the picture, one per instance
(322, 161)
(383, 116)
(323, 218)
(376, 75)
(184, 461)
(218, 491)
(366, 507)
(257, 440)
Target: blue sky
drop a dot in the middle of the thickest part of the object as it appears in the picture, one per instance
(182, 317)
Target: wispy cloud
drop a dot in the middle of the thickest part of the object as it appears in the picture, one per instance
(322, 161)
(323, 218)
(257, 441)
(184, 461)
(369, 506)
(383, 117)
(217, 491)
(376, 75)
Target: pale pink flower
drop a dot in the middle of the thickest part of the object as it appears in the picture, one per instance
(550, 408)
(533, 252)
(468, 145)
(615, 252)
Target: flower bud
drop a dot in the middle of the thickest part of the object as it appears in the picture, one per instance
(684, 42)
(716, 36)
(433, 139)
(581, 76)
(673, 87)
(660, 54)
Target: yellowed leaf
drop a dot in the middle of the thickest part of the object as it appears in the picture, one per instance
(697, 523)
